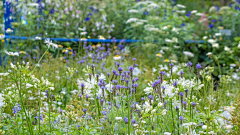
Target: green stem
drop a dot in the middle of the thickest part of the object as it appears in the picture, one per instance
(39, 61)
(49, 112)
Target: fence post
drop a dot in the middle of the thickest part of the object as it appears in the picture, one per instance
(7, 25)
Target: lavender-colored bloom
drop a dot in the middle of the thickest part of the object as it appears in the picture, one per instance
(133, 121)
(181, 118)
(84, 110)
(120, 69)
(55, 122)
(189, 64)
(143, 98)
(130, 68)
(126, 120)
(19, 107)
(193, 104)
(87, 96)
(104, 112)
(46, 93)
(198, 66)
(171, 64)
(184, 102)
(150, 97)
(162, 72)
(102, 100)
(181, 72)
(114, 71)
(175, 83)
(108, 74)
(14, 110)
(181, 93)
(134, 59)
(165, 102)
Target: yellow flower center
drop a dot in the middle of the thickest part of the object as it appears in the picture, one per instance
(69, 48)
(60, 46)
(167, 60)
(71, 53)
(117, 56)
(230, 106)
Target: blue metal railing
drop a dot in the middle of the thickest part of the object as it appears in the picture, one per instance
(91, 40)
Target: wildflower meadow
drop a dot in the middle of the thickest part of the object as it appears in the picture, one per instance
(110, 67)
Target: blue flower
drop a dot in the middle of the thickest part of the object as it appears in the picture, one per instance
(198, 66)
(52, 11)
(211, 26)
(126, 120)
(183, 24)
(146, 13)
(87, 19)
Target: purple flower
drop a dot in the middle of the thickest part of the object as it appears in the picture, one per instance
(84, 110)
(55, 122)
(181, 93)
(181, 72)
(126, 120)
(175, 83)
(133, 121)
(130, 68)
(108, 74)
(181, 118)
(198, 66)
(114, 71)
(104, 112)
(193, 104)
(143, 98)
(82, 85)
(19, 107)
(184, 102)
(134, 59)
(189, 64)
(14, 110)
(120, 69)
(150, 97)
(171, 64)
(162, 73)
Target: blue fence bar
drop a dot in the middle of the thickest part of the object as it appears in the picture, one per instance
(92, 40)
